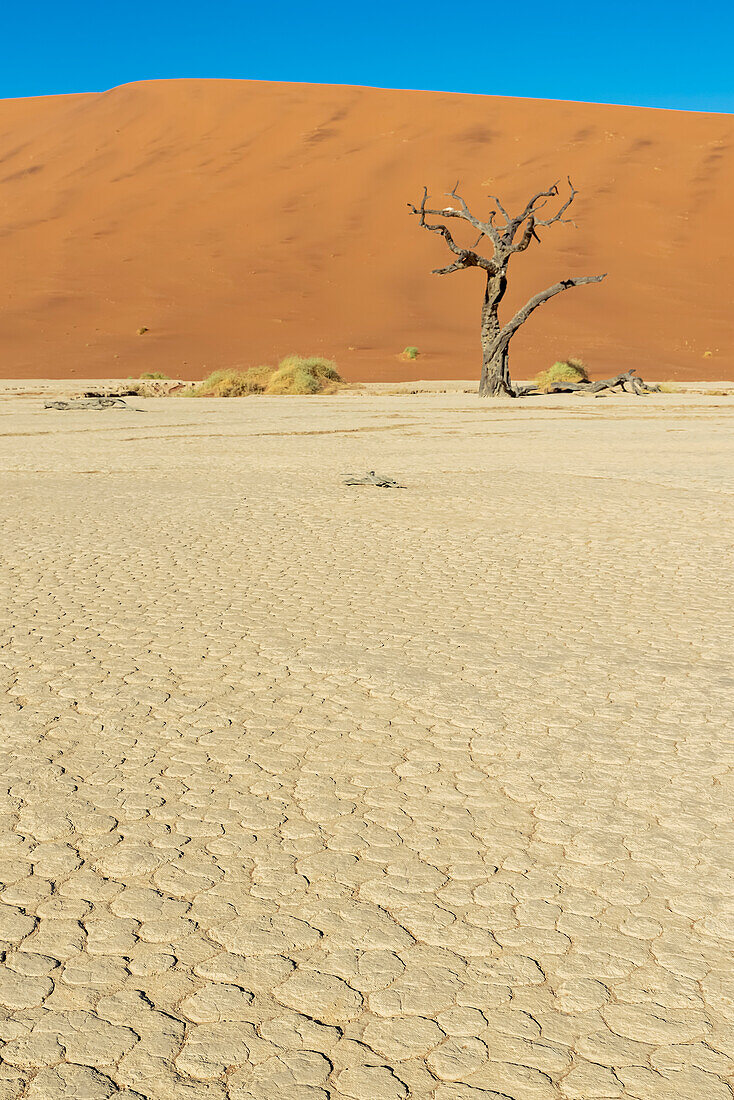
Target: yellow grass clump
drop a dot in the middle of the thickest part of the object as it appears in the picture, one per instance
(233, 383)
(564, 370)
(294, 375)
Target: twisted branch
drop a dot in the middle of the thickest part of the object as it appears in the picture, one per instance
(467, 257)
(508, 330)
(502, 236)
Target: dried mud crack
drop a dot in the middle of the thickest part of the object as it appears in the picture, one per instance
(332, 795)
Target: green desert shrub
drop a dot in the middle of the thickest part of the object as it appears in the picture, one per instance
(410, 352)
(156, 374)
(295, 374)
(233, 383)
(564, 370)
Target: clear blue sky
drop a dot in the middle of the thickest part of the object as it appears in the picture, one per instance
(610, 51)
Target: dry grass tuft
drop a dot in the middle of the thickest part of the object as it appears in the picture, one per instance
(564, 370)
(233, 383)
(294, 375)
(299, 375)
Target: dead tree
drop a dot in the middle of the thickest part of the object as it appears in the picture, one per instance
(508, 236)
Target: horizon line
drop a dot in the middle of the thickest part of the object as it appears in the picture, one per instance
(366, 87)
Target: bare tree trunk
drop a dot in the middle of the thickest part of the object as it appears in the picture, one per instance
(495, 366)
(495, 377)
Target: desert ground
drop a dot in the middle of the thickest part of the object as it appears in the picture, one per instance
(314, 791)
(240, 221)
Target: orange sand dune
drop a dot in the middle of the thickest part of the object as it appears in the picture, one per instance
(241, 220)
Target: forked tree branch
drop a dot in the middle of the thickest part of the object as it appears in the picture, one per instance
(558, 216)
(502, 236)
(500, 207)
(527, 237)
(467, 256)
(529, 214)
(486, 229)
(535, 204)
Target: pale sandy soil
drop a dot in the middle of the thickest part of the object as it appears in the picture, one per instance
(322, 792)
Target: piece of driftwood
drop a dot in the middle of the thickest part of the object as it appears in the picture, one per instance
(622, 383)
(371, 478)
(91, 403)
(116, 391)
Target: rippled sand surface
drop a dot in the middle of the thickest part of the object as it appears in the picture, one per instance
(312, 791)
(185, 226)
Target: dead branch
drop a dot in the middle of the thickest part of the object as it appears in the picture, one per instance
(529, 211)
(625, 383)
(529, 216)
(467, 256)
(527, 237)
(500, 207)
(508, 330)
(486, 229)
(90, 403)
(502, 237)
(558, 216)
(381, 481)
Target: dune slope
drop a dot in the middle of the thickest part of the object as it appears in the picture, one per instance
(238, 221)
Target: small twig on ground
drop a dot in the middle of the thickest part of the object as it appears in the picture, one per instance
(92, 403)
(371, 478)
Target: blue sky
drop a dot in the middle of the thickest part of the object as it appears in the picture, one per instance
(652, 54)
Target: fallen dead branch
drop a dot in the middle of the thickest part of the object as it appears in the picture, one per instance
(91, 403)
(621, 383)
(371, 478)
